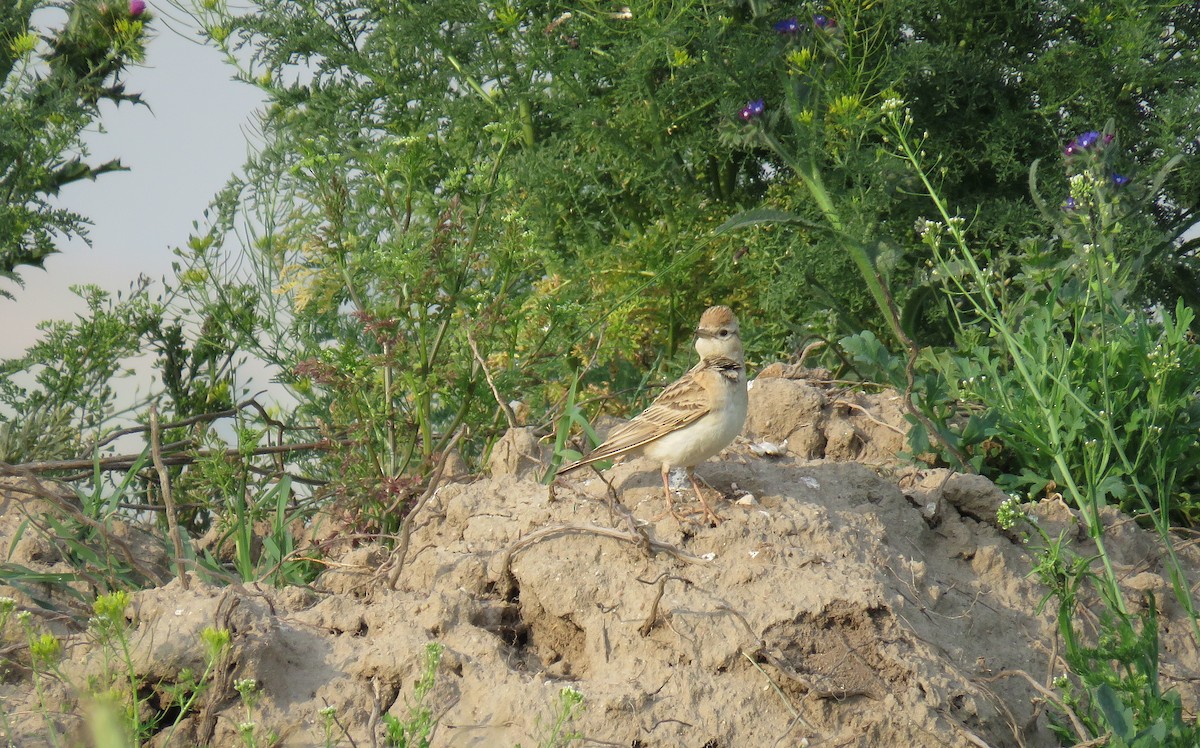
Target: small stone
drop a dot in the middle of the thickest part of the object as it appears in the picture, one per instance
(765, 448)
(1146, 582)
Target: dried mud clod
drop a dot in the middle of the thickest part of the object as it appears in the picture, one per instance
(836, 653)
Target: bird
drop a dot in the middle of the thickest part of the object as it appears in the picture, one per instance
(696, 416)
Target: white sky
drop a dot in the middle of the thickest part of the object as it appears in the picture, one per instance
(180, 151)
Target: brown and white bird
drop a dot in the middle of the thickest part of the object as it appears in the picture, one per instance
(696, 416)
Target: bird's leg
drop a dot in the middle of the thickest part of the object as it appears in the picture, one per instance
(666, 479)
(700, 495)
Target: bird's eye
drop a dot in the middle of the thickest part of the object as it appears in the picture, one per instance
(724, 333)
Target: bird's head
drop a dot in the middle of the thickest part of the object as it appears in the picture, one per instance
(718, 334)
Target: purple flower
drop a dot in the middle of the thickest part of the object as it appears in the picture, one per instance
(137, 7)
(1086, 141)
(1069, 204)
(823, 22)
(752, 109)
(1119, 181)
(787, 26)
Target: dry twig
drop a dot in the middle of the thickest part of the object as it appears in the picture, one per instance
(660, 585)
(127, 461)
(507, 583)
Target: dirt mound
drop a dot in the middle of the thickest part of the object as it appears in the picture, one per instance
(834, 605)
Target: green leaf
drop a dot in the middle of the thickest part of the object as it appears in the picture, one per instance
(866, 349)
(1152, 737)
(763, 215)
(918, 438)
(1118, 716)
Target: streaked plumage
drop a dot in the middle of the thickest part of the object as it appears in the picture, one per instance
(696, 416)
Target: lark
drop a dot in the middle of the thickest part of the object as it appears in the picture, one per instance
(696, 416)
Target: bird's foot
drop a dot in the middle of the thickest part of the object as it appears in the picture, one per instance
(691, 515)
(714, 518)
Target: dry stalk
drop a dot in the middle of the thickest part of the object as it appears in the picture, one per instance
(775, 687)
(504, 406)
(836, 693)
(164, 482)
(1048, 695)
(220, 688)
(251, 404)
(809, 349)
(870, 417)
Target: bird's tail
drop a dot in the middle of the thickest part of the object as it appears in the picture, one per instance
(563, 470)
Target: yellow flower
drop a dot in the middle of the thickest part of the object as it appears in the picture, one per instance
(845, 105)
(798, 60)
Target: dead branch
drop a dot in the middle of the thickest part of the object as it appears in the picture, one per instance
(251, 403)
(504, 406)
(127, 461)
(435, 480)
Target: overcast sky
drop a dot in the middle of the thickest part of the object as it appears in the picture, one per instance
(180, 151)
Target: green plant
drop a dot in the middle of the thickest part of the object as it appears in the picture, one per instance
(1046, 366)
(183, 693)
(85, 530)
(416, 731)
(248, 730)
(72, 370)
(329, 721)
(45, 651)
(572, 415)
(1121, 695)
(557, 733)
(50, 95)
(1061, 361)
(118, 682)
(258, 521)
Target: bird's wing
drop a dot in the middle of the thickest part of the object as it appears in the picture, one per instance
(681, 403)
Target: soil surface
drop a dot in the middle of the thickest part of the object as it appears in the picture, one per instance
(848, 599)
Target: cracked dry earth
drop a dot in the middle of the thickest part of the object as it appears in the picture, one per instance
(847, 600)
